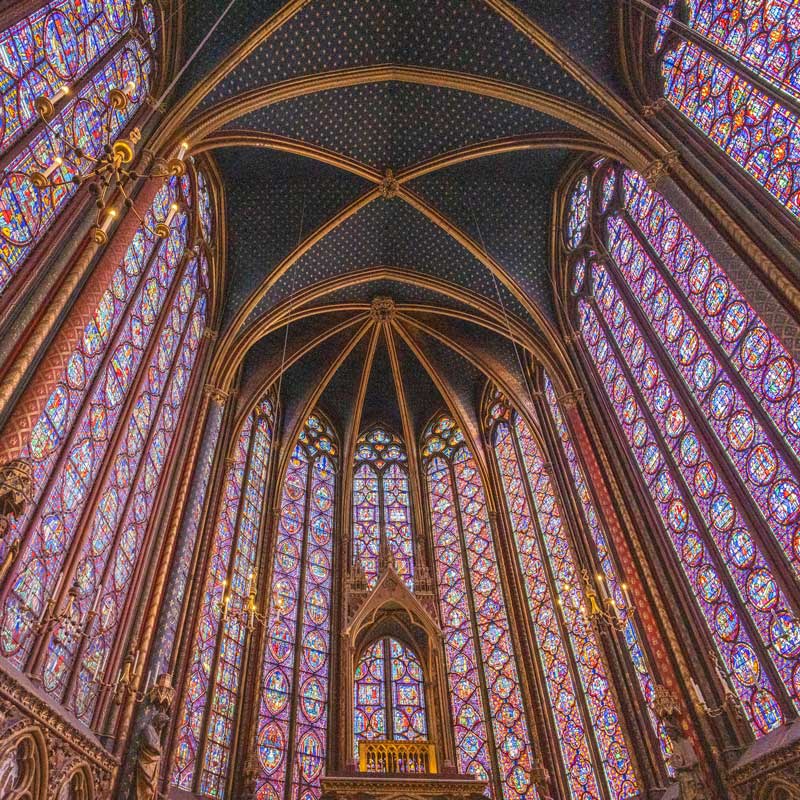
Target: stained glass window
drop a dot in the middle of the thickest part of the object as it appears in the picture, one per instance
(705, 395)
(566, 641)
(55, 47)
(747, 120)
(485, 695)
(389, 694)
(99, 449)
(381, 506)
(209, 709)
(294, 682)
(614, 586)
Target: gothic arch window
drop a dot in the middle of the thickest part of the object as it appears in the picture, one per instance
(99, 452)
(489, 720)
(707, 400)
(389, 694)
(296, 665)
(582, 703)
(205, 729)
(733, 70)
(72, 53)
(381, 506)
(614, 587)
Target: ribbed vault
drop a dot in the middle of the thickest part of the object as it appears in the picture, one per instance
(408, 149)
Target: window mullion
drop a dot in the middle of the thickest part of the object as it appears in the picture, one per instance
(600, 775)
(704, 42)
(71, 548)
(298, 633)
(718, 561)
(694, 412)
(91, 511)
(38, 126)
(487, 708)
(688, 308)
(212, 674)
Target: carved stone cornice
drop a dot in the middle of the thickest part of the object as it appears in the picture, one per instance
(68, 747)
(773, 761)
(571, 399)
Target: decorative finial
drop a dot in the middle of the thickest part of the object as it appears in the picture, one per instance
(389, 186)
(383, 309)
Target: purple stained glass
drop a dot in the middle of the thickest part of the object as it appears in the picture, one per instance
(26, 212)
(366, 521)
(70, 439)
(478, 641)
(721, 516)
(615, 587)
(389, 694)
(603, 712)
(550, 645)
(751, 125)
(747, 675)
(733, 419)
(212, 688)
(381, 506)
(117, 590)
(295, 667)
(578, 211)
(107, 535)
(467, 705)
(53, 47)
(241, 586)
(198, 680)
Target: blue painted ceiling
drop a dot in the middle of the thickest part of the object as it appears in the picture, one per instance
(503, 202)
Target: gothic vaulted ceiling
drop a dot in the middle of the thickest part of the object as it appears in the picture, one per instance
(476, 107)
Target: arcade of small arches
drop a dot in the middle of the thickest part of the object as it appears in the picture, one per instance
(399, 400)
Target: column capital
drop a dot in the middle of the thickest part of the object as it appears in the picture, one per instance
(653, 109)
(571, 399)
(217, 395)
(660, 168)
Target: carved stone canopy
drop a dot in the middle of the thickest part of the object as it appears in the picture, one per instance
(391, 604)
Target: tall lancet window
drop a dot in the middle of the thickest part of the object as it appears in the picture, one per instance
(389, 694)
(733, 69)
(99, 451)
(293, 709)
(582, 704)
(707, 400)
(71, 53)
(616, 589)
(489, 719)
(381, 506)
(211, 695)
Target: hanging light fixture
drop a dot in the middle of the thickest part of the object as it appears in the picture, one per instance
(110, 170)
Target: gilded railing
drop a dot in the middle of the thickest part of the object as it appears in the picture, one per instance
(398, 757)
